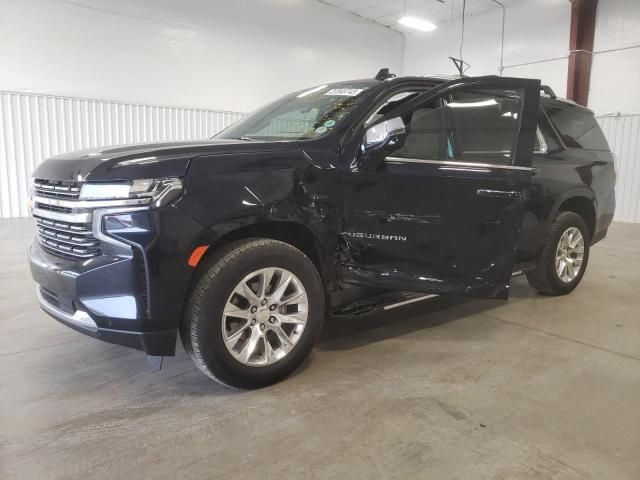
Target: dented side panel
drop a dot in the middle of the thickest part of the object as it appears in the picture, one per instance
(416, 227)
(229, 192)
(434, 225)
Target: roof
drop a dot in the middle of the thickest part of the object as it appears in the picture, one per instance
(441, 78)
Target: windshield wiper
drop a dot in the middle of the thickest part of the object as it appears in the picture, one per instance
(247, 139)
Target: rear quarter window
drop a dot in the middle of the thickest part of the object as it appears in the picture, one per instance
(577, 128)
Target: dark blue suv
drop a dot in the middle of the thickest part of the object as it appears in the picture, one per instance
(242, 243)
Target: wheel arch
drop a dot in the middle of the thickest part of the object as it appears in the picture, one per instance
(583, 206)
(292, 233)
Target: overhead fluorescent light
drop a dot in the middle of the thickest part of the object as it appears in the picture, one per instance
(417, 23)
(481, 103)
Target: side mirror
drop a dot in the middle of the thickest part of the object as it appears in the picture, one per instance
(381, 140)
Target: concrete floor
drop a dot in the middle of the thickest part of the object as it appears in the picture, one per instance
(533, 388)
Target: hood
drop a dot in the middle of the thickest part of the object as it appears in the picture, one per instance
(149, 160)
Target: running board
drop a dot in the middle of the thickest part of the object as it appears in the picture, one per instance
(391, 300)
(385, 301)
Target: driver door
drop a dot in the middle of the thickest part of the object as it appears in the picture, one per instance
(439, 207)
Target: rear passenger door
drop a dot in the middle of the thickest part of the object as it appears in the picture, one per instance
(443, 211)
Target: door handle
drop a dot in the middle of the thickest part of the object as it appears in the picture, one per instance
(483, 192)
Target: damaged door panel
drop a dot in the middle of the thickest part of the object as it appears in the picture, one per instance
(437, 204)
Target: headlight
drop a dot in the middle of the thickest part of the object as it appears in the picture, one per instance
(157, 191)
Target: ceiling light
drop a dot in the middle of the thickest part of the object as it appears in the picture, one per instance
(417, 23)
(481, 103)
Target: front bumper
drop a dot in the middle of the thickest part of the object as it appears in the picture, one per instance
(132, 295)
(79, 319)
(85, 299)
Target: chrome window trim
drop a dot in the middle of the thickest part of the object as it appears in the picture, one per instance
(489, 152)
(450, 163)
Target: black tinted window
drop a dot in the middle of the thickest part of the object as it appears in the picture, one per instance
(472, 126)
(486, 125)
(427, 136)
(577, 128)
(390, 104)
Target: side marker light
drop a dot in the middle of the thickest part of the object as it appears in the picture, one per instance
(196, 255)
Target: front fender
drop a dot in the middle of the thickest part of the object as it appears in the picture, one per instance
(233, 191)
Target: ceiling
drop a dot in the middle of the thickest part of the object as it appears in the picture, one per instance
(439, 12)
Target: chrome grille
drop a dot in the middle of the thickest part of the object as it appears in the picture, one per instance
(67, 239)
(56, 189)
(52, 208)
(63, 230)
(64, 219)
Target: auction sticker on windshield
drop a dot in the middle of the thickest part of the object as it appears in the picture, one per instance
(344, 92)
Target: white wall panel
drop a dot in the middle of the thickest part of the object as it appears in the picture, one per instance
(35, 127)
(220, 54)
(615, 74)
(536, 43)
(623, 135)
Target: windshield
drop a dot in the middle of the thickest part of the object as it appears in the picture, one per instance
(300, 116)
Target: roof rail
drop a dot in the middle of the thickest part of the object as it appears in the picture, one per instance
(548, 90)
(444, 76)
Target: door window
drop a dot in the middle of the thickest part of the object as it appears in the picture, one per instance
(467, 126)
(428, 136)
(393, 102)
(485, 125)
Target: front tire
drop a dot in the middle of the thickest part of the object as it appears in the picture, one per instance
(254, 313)
(563, 260)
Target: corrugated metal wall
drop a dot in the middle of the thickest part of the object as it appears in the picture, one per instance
(623, 135)
(34, 127)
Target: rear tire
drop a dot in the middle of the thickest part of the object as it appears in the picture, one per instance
(254, 313)
(563, 260)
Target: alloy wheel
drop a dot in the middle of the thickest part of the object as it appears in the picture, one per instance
(569, 254)
(264, 316)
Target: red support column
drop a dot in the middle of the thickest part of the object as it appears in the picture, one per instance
(583, 27)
